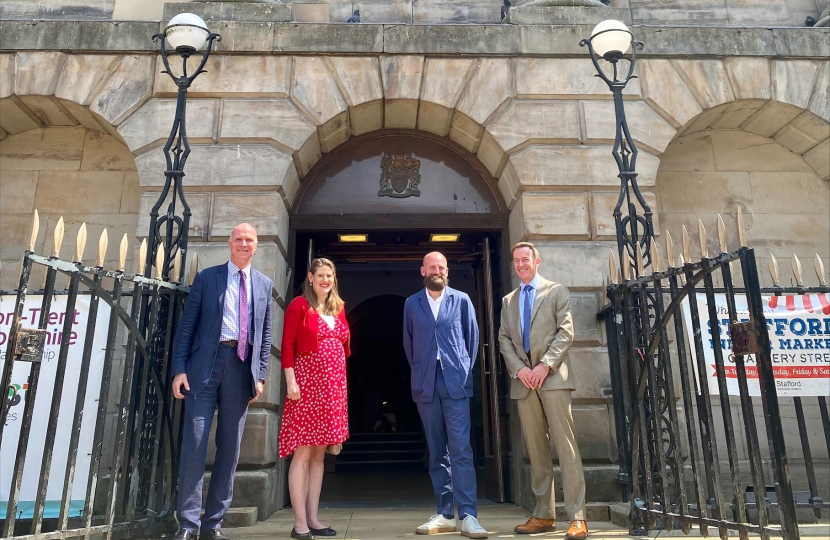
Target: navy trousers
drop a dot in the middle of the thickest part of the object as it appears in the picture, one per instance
(229, 389)
(451, 469)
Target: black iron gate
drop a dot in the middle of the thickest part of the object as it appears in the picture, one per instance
(671, 440)
(134, 494)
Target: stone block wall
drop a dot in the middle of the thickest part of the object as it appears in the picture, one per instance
(542, 127)
(83, 175)
(785, 203)
(671, 12)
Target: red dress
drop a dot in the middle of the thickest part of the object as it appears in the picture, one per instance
(320, 416)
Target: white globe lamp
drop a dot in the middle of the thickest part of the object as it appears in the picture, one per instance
(611, 39)
(186, 32)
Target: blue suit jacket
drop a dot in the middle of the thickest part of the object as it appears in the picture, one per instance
(197, 339)
(454, 334)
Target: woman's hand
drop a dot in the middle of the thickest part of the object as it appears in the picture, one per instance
(291, 384)
(293, 390)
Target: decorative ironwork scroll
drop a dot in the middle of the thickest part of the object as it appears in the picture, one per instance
(679, 459)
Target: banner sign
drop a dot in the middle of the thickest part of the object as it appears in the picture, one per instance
(43, 402)
(799, 332)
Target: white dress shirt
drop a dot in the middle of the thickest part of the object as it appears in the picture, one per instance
(435, 304)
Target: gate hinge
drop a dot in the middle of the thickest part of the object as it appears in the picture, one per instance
(28, 344)
(743, 338)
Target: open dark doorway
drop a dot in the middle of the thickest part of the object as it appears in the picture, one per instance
(375, 206)
(378, 372)
(386, 453)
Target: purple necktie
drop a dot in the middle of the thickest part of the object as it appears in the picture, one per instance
(242, 345)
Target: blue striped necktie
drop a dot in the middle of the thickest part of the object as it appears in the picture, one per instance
(527, 307)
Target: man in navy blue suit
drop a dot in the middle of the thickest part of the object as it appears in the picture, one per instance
(220, 357)
(441, 342)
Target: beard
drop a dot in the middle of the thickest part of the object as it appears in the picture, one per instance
(436, 283)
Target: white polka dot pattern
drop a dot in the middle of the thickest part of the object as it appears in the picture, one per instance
(320, 416)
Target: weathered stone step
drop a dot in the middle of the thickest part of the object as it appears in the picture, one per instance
(240, 517)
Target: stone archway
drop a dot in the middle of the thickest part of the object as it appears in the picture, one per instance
(60, 151)
(786, 100)
(542, 127)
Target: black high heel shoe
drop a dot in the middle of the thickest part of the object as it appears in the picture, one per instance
(302, 536)
(328, 531)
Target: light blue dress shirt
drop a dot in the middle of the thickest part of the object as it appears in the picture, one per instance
(230, 309)
(532, 292)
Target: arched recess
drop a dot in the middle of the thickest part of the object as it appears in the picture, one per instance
(784, 201)
(450, 185)
(261, 123)
(60, 151)
(785, 100)
(751, 132)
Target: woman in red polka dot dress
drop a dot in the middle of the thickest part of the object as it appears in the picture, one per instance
(315, 344)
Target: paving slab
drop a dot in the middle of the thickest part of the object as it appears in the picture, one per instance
(379, 521)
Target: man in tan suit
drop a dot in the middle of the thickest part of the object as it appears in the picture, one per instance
(534, 338)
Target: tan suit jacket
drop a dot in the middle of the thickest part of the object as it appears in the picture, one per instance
(551, 336)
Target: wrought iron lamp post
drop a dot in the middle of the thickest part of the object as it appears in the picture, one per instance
(186, 34)
(610, 41)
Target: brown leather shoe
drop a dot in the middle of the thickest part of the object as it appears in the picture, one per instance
(535, 525)
(578, 530)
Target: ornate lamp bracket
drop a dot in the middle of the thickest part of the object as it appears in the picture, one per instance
(633, 222)
(170, 229)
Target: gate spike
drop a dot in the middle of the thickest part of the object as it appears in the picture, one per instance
(640, 267)
(669, 249)
(722, 235)
(687, 250)
(681, 262)
(612, 268)
(35, 230)
(177, 265)
(80, 244)
(122, 252)
(741, 229)
(194, 267)
(819, 265)
(701, 231)
(103, 243)
(57, 238)
(796, 264)
(773, 270)
(160, 261)
(655, 257)
(142, 256)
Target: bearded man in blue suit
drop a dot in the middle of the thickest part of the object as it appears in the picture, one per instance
(441, 342)
(220, 360)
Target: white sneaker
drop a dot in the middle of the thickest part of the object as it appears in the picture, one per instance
(471, 528)
(437, 524)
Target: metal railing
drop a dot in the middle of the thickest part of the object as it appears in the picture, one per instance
(674, 437)
(141, 317)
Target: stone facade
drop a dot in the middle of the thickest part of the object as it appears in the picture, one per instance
(674, 12)
(723, 118)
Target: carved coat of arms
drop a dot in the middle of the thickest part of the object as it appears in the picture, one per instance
(400, 176)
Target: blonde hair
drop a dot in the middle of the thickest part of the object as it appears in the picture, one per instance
(519, 245)
(333, 303)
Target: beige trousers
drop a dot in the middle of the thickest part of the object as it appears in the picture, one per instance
(547, 415)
